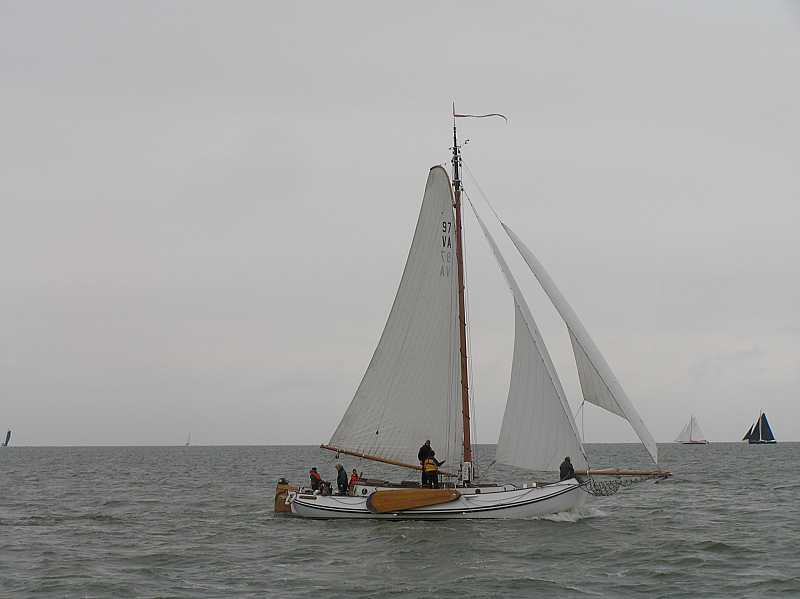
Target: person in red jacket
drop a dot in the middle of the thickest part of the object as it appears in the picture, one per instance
(316, 479)
(353, 478)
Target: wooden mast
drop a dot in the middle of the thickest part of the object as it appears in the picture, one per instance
(461, 311)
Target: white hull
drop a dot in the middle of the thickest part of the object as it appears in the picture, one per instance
(518, 503)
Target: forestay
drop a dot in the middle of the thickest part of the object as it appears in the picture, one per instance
(598, 383)
(538, 428)
(411, 389)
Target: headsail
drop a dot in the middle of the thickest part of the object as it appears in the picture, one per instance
(538, 428)
(8, 438)
(756, 434)
(598, 383)
(411, 390)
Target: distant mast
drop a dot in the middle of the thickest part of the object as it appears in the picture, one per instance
(461, 311)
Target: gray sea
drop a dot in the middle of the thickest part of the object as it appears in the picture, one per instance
(199, 522)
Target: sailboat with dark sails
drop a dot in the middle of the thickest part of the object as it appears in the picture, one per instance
(760, 433)
(7, 439)
(416, 388)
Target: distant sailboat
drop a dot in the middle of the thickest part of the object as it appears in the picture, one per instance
(188, 440)
(8, 438)
(691, 434)
(760, 433)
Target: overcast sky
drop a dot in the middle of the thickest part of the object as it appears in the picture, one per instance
(205, 208)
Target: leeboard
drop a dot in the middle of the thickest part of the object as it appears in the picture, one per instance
(382, 502)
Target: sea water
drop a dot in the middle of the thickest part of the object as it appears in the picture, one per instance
(199, 522)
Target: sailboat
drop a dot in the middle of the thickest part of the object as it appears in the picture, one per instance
(188, 440)
(416, 388)
(8, 438)
(760, 432)
(691, 434)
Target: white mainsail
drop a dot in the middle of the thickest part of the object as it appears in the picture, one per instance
(538, 428)
(598, 383)
(691, 433)
(411, 390)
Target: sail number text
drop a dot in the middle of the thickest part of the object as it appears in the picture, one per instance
(447, 249)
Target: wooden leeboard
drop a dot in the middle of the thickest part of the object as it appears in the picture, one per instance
(382, 502)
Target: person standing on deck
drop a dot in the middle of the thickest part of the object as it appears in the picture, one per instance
(425, 452)
(430, 470)
(341, 479)
(353, 478)
(566, 469)
(316, 479)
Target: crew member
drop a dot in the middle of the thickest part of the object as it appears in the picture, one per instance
(316, 479)
(425, 452)
(353, 478)
(430, 473)
(566, 469)
(341, 479)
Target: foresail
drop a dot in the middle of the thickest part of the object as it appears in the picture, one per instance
(538, 428)
(411, 389)
(685, 436)
(598, 383)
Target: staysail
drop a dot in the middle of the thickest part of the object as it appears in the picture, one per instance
(598, 383)
(691, 433)
(538, 429)
(411, 389)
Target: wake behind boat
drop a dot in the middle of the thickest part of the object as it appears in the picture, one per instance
(416, 388)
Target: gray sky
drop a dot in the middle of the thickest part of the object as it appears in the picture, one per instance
(206, 207)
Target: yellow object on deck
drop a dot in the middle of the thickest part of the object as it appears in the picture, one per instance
(382, 502)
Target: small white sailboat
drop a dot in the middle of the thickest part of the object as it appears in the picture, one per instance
(415, 388)
(692, 434)
(188, 440)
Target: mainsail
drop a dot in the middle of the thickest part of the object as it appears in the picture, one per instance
(411, 389)
(766, 430)
(691, 433)
(538, 428)
(598, 383)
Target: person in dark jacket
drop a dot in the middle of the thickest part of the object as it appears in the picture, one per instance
(341, 479)
(425, 452)
(567, 471)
